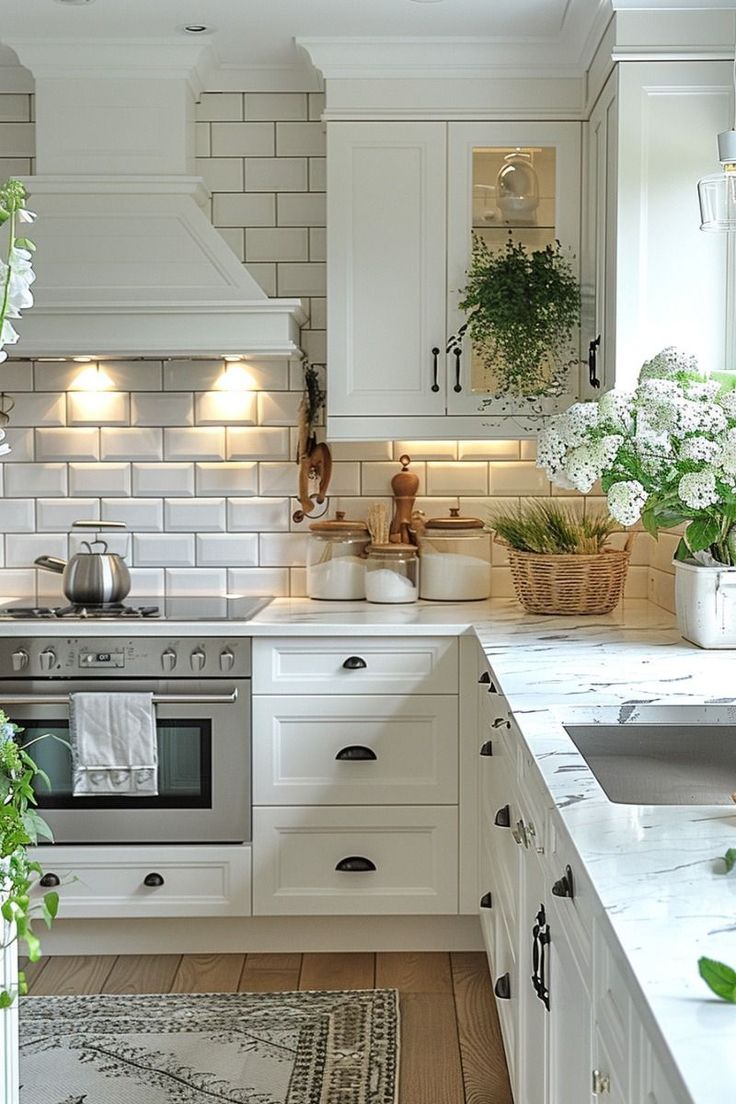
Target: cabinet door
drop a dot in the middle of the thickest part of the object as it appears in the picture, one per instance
(598, 257)
(477, 152)
(533, 963)
(386, 267)
(570, 1019)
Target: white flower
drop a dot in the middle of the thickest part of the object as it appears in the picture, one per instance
(626, 500)
(698, 489)
(550, 451)
(8, 336)
(25, 216)
(699, 448)
(727, 452)
(728, 402)
(586, 463)
(573, 426)
(702, 389)
(616, 406)
(667, 363)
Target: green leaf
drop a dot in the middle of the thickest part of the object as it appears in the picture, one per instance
(649, 522)
(702, 533)
(6, 999)
(26, 243)
(718, 977)
(730, 859)
(682, 552)
(50, 907)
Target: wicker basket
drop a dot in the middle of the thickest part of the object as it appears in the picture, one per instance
(569, 584)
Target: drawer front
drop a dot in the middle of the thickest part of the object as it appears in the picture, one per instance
(355, 665)
(355, 750)
(297, 850)
(110, 881)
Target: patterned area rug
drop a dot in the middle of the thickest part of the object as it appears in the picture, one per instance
(227, 1048)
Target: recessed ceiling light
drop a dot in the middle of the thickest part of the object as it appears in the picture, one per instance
(197, 28)
(77, 3)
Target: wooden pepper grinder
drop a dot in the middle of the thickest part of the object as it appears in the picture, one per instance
(405, 485)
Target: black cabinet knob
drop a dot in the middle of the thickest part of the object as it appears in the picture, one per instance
(355, 753)
(153, 880)
(355, 864)
(502, 988)
(486, 900)
(49, 881)
(487, 748)
(565, 886)
(502, 818)
(355, 663)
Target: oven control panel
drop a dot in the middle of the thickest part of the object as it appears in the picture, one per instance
(151, 657)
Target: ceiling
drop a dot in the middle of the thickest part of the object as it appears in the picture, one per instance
(261, 32)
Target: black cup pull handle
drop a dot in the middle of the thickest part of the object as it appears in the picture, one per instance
(486, 900)
(457, 353)
(502, 988)
(355, 753)
(487, 749)
(435, 368)
(485, 678)
(49, 881)
(565, 886)
(355, 864)
(153, 880)
(593, 347)
(502, 818)
(355, 663)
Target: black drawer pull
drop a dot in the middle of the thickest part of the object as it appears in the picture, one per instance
(153, 880)
(485, 678)
(486, 900)
(502, 988)
(565, 886)
(502, 818)
(593, 347)
(487, 749)
(355, 753)
(355, 663)
(355, 864)
(48, 881)
(457, 353)
(435, 364)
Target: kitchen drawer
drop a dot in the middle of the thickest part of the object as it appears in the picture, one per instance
(297, 849)
(110, 881)
(356, 665)
(409, 750)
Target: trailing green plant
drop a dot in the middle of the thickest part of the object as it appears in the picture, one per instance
(523, 313)
(552, 529)
(21, 827)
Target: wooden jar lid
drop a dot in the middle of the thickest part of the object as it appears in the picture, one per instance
(340, 524)
(454, 521)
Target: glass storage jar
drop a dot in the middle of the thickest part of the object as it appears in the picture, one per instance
(336, 559)
(455, 554)
(392, 573)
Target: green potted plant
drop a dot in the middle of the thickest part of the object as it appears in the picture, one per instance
(523, 311)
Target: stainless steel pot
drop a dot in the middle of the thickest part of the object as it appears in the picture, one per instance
(92, 577)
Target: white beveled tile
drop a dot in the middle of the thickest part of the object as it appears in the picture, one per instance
(191, 375)
(220, 106)
(21, 445)
(426, 450)
(467, 478)
(488, 450)
(237, 139)
(202, 443)
(258, 443)
(277, 479)
(39, 409)
(159, 480)
(298, 582)
(274, 174)
(377, 477)
(141, 515)
(361, 450)
(637, 582)
(146, 582)
(99, 479)
(18, 515)
(245, 581)
(50, 589)
(67, 444)
(227, 550)
(196, 581)
(270, 106)
(163, 549)
(17, 583)
(162, 408)
(238, 478)
(98, 408)
(34, 480)
(56, 515)
(21, 549)
(257, 515)
(528, 449)
(17, 376)
(522, 478)
(138, 443)
(283, 549)
(225, 408)
(195, 514)
(278, 408)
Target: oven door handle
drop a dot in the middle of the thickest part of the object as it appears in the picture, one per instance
(158, 699)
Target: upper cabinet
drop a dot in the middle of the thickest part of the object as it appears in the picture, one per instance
(404, 201)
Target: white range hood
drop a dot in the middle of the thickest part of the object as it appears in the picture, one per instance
(128, 262)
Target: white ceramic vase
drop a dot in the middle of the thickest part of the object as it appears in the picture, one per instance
(9, 1024)
(705, 602)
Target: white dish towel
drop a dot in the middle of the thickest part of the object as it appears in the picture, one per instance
(114, 750)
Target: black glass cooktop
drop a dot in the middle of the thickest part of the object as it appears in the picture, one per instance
(191, 608)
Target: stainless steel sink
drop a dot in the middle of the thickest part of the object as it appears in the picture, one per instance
(660, 755)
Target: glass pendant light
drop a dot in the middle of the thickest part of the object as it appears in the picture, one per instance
(717, 192)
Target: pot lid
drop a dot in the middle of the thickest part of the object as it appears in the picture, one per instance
(340, 524)
(393, 547)
(454, 521)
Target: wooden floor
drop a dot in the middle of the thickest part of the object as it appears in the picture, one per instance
(451, 1050)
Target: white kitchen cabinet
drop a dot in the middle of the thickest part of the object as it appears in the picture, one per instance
(570, 1059)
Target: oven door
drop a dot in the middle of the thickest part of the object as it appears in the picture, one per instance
(204, 750)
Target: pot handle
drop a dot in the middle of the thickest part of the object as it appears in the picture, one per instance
(51, 563)
(87, 545)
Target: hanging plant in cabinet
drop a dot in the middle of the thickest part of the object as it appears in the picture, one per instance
(523, 310)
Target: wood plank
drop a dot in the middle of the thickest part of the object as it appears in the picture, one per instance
(430, 1056)
(481, 1046)
(208, 973)
(71, 975)
(270, 973)
(414, 972)
(142, 974)
(32, 970)
(338, 971)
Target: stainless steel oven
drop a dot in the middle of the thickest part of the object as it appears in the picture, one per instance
(202, 699)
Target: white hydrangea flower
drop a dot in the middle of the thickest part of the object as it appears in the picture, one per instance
(626, 500)
(574, 424)
(699, 448)
(616, 406)
(667, 363)
(580, 468)
(727, 402)
(698, 489)
(550, 451)
(727, 452)
(702, 389)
